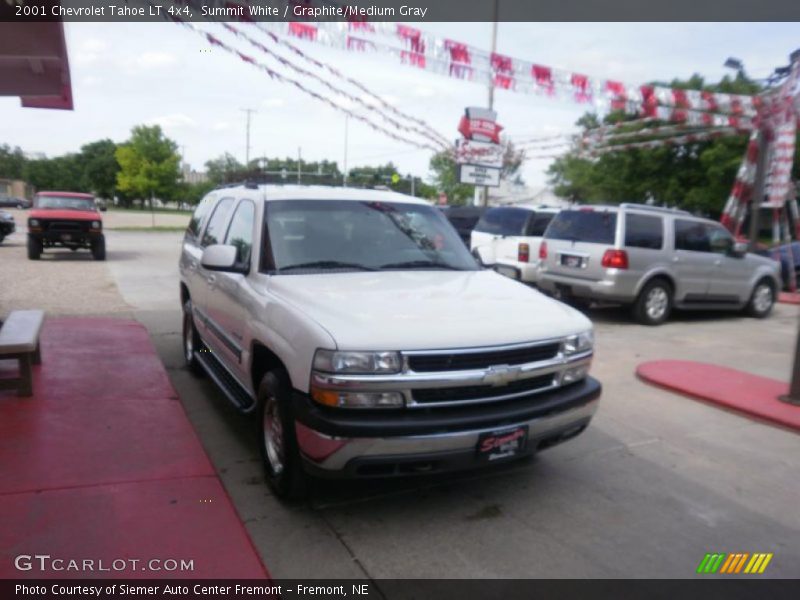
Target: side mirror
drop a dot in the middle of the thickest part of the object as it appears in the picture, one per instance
(739, 249)
(219, 257)
(484, 255)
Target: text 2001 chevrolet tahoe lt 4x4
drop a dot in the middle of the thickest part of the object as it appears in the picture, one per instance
(369, 343)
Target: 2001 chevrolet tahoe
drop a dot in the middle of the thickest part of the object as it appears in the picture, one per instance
(368, 341)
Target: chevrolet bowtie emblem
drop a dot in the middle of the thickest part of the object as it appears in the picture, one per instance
(501, 375)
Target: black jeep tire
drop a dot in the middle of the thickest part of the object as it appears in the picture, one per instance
(99, 248)
(277, 441)
(654, 303)
(2, 237)
(761, 300)
(34, 248)
(191, 341)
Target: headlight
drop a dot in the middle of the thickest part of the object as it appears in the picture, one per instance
(577, 344)
(357, 399)
(95, 224)
(33, 222)
(338, 361)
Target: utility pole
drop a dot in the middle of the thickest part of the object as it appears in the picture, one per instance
(346, 121)
(495, 15)
(248, 112)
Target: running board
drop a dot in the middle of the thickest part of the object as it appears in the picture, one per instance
(231, 388)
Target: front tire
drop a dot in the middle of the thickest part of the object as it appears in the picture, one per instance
(762, 300)
(99, 248)
(654, 303)
(276, 438)
(191, 341)
(34, 248)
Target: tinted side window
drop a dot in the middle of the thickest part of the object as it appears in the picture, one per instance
(503, 221)
(691, 235)
(199, 213)
(643, 231)
(240, 232)
(214, 231)
(597, 227)
(538, 224)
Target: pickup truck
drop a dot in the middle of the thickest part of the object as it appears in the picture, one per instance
(368, 341)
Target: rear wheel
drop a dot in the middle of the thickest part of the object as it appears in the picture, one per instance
(762, 300)
(99, 248)
(191, 341)
(2, 237)
(34, 248)
(277, 439)
(654, 304)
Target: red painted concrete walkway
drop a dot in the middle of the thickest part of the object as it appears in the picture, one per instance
(736, 390)
(102, 463)
(789, 297)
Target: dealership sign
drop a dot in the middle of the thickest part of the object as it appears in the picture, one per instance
(479, 154)
(483, 154)
(477, 175)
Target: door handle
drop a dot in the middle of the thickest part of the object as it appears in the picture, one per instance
(717, 262)
(212, 279)
(192, 266)
(675, 259)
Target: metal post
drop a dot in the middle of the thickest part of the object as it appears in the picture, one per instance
(758, 187)
(344, 178)
(299, 158)
(485, 194)
(793, 397)
(248, 112)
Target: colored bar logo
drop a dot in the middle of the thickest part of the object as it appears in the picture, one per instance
(734, 563)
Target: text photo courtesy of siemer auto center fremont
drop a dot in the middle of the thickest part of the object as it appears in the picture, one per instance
(338, 306)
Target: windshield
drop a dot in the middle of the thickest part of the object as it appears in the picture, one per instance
(591, 226)
(503, 221)
(64, 203)
(334, 235)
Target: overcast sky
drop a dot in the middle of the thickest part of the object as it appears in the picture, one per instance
(124, 74)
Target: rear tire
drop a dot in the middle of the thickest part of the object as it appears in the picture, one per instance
(191, 341)
(2, 237)
(277, 440)
(99, 248)
(34, 248)
(654, 303)
(762, 300)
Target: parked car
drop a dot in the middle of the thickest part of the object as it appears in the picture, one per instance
(7, 225)
(653, 259)
(67, 219)
(788, 255)
(362, 334)
(464, 219)
(14, 202)
(513, 234)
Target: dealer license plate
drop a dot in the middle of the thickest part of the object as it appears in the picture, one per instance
(569, 260)
(65, 237)
(504, 443)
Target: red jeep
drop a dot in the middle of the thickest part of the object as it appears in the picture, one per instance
(66, 219)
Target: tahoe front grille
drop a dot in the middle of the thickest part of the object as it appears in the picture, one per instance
(483, 392)
(460, 361)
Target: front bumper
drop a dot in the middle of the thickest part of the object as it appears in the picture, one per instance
(382, 443)
(7, 227)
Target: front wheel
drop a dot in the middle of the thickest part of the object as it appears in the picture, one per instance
(277, 439)
(99, 248)
(654, 304)
(762, 300)
(34, 248)
(191, 341)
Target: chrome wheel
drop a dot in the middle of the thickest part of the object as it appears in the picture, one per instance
(762, 298)
(656, 303)
(273, 434)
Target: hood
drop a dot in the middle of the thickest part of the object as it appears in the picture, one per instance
(73, 215)
(419, 310)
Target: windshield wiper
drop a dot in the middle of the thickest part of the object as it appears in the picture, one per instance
(420, 264)
(326, 264)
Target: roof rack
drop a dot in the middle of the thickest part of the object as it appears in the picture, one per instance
(660, 209)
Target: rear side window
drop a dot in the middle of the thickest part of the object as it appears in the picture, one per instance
(503, 221)
(692, 236)
(642, 231)
(596, 227)
(200, 212)
(538, 224)
(215, 230)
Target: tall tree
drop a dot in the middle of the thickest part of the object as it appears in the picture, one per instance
(100, 167)
(224, 169)
(148, 164)
(12, 161)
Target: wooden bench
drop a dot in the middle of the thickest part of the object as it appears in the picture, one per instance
(19, 339)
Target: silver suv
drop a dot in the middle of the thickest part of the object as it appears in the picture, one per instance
(653, 259)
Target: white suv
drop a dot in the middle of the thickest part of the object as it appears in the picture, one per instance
(359, 329)
(509, 237)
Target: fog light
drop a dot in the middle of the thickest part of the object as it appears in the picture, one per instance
(357, 399)
(574, 374)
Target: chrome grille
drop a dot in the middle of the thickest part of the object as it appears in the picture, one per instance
(480, 359)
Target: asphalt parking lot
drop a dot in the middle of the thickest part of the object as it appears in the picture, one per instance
(657, 481)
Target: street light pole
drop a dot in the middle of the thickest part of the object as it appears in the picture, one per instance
(496, 9)
(344, 178)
